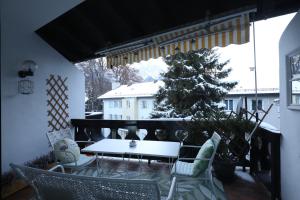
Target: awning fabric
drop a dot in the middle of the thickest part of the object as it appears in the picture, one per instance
(219, 32)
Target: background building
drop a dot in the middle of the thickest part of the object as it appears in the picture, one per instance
(265, 97)
(136, 101)
(130, 102)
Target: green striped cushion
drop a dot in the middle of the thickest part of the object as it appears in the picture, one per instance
(206, 152)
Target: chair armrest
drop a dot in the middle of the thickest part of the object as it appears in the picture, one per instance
(57, 166)
(172, 189)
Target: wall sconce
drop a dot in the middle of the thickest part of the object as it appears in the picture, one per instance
(28, 68)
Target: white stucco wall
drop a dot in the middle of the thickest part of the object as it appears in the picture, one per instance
(24, 117)
(289, 119)
(134, 112)
(130, 111)
(273, 117)
(112, 111)
(144, 113)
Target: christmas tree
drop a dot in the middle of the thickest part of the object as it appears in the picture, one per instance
(193, 87)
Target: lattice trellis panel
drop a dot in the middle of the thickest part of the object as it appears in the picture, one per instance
(58, 115)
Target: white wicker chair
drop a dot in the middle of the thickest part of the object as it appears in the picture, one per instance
(83, 160)
(184, 170)
(49, 185)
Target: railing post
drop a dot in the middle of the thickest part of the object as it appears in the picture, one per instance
(275, 167)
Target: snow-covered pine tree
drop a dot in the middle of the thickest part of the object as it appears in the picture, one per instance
(193, 86)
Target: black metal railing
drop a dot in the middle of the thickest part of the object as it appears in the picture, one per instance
(265, 160)
(93, 128)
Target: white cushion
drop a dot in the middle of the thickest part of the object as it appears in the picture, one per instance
(183, 168)
(62, 149)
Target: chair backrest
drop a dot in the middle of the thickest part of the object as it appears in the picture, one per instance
(55, 185)
(215, 138)
(55, 136)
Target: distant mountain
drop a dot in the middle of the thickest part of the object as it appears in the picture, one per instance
(151, 68)
(149, 79)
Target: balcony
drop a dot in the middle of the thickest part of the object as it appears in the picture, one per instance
(262, 169)
(273, 160)
(264, 162)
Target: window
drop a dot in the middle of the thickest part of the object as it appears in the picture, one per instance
(110, 116)
(259, 106)
(111, 104)
(115, 116)
(228, 104)
(293, 79)
(116, 104)
(120, 117)
(128, 104)
(127, 117)
(120, 104)
(144, 104)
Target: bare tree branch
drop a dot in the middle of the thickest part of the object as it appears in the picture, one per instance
(126, 75)
(96, 82)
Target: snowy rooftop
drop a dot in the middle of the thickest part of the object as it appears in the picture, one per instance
(252, 91)
(146, 89)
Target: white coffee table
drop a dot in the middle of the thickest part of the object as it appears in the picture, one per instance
(143, 148)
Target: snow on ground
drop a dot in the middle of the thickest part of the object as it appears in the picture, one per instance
(267, 126)
(244, 175)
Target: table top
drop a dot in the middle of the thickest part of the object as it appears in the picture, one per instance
(144, 147)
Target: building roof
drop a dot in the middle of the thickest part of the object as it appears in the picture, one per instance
(252, 91)
(146, 89)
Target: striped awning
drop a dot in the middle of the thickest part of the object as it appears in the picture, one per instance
(220, 32)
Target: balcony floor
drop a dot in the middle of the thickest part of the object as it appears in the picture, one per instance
(241, 188)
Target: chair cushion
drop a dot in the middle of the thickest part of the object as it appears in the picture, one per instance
(205, 152)
(61, 149)
(183, 168)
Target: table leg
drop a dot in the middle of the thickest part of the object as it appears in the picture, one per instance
(99, 163)
(140, 161)
(170, 164)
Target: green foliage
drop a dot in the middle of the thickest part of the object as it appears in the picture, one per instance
(41, 162)
(232, 131)
(193, 86)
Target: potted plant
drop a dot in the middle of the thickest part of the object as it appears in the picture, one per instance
(10, 183)
(232, 148)
(224, 163)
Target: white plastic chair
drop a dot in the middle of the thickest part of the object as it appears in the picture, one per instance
(83, 160)
(184, 170)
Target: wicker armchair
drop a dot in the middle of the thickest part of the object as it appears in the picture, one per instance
(83, 160)
(56, 185)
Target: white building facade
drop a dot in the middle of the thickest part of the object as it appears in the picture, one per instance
(130, 102)
(265, 97)
(136, 102)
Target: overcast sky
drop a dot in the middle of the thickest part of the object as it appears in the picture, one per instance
(267, 35)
